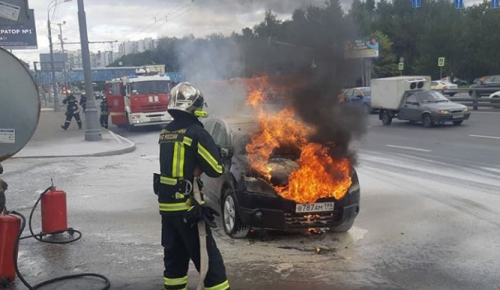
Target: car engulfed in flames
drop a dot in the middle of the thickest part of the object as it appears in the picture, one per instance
(317, 175)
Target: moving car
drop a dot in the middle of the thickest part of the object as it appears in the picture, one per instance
(409, 98)
(496, 97)
(360, 97)
(248, 202)
(489, 84)
(446, 87)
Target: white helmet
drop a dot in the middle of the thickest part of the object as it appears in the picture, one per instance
(187, 98)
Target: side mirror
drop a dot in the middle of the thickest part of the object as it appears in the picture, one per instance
(226, 153)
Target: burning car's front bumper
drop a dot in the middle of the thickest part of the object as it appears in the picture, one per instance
(274, 212)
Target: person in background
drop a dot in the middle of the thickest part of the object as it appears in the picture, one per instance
(72, 110)
(104, 113)
(83, 102)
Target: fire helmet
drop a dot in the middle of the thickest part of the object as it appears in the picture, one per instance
(187, 98)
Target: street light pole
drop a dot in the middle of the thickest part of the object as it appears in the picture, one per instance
(92, 129)
(61, 38)
(52, 68)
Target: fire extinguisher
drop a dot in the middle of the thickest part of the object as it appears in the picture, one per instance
(54, 212)
(9, 231)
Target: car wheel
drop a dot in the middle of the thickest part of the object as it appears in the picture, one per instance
(231, 218)
(457, 123)
(427, 120)
(343, 227)
(386, 118)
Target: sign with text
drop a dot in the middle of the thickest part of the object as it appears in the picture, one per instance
(416, 3)
(367, 47)
(494, 3)
(19, 36)
(401, 66)
(59, 61)
(441, 61)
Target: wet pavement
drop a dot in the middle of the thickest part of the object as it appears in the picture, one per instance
(426, 221)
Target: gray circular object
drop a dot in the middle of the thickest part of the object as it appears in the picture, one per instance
(19, 105)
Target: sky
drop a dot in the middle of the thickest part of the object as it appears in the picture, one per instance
(122, 20)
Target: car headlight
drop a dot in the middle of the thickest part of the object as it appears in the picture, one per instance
(466, 109)
(354, 187)
(443, 112)
(259, 185)
(135, 117)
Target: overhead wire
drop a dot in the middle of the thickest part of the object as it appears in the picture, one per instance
(178, 15)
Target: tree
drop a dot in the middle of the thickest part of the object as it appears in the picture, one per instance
(385, 65)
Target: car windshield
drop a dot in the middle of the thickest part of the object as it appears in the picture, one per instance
(489, 79)
(152, 87)
(366, 91)
(431, 97)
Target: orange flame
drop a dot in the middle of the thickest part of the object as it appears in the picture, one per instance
(319, 175)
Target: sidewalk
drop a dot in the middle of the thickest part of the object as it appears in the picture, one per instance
(50, 140)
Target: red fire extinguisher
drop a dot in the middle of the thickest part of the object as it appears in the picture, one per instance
(9, 231)
(54, 211)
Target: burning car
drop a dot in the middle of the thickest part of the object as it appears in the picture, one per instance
(247, 199)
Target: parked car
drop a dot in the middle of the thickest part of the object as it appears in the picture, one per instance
(496, 97)
(248, 202)
(490, 84)
(445, 87)
(359, 97)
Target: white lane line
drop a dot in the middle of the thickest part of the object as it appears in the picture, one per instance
(483, 136)
(408, 148)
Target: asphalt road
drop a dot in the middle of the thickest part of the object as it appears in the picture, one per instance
(430, 218)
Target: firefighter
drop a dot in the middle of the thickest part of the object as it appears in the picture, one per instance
(104, 113)
(83, 102)
(186, 151)
(72, 110)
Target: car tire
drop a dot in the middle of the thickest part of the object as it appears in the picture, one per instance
(233, 226)
(457, 123)
(427, 121)
(386, 118)
(343, 227)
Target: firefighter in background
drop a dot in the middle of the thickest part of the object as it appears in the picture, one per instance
(72, 110)
(104, 113)
(83, 102)
(186, 151)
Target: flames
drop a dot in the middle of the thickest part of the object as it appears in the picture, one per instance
(319, 175)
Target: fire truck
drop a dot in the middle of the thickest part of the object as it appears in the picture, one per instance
(139, 100)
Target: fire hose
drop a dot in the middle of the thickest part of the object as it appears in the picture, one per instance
(202, 233)
(39, 238)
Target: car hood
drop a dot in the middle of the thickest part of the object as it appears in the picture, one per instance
(445, 106)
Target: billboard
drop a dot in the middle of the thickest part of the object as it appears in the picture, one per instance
(60, 59)
(19, 35)
(13, 12)
(362, 48)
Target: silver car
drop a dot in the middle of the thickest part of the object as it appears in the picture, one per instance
(431, 108)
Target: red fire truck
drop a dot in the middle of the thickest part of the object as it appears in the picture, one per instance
(139, 100)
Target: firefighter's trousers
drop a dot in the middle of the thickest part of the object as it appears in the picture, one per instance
(69, 116)
(104, 120)
(181, 243)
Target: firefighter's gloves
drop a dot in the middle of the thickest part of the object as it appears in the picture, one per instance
(198, 212)
(226, 153)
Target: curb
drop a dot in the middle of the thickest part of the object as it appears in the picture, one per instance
(130, 148)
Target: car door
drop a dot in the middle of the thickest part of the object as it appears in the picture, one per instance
(214, 185)
(348, 96)
(357, 97)
(410, 110)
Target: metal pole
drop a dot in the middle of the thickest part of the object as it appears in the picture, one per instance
(52, 68)
(92, 128)
(62, 50)
(440, 72)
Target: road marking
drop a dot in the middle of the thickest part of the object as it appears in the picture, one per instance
(483, 136)
(408, 148)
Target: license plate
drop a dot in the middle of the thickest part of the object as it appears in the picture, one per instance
(458, 116)
(314, 207)
(156, 119)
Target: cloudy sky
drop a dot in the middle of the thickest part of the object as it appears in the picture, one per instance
(136, 19)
